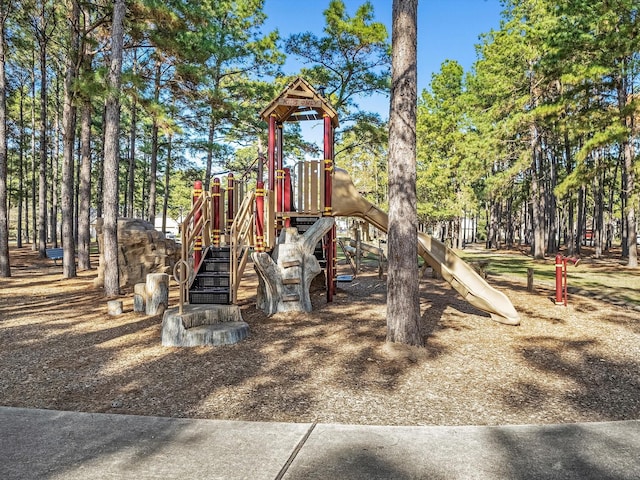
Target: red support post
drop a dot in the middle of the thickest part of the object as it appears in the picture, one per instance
(280, 208)
(564, 267)
(230, 201)
(215, 193)
(260, 216)
(197, 242)
(560, 263)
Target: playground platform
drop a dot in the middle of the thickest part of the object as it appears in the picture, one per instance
(39, 444)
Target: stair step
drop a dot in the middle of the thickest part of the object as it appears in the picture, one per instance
(290, 281)
(211, 279)
(215, 265)
(219, 253)
(290, 298)
(291, 263)
(213, 295)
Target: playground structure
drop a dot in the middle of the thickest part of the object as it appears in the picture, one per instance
(286, 225)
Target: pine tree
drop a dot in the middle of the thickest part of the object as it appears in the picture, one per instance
(403, 306)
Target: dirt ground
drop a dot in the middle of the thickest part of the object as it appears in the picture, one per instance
(60, 350)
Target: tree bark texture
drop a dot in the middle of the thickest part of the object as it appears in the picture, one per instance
(153, 169)
(68, 140)
(110, 182)
(403, 307)
(42, 172)
(84, 210)
(5, 268)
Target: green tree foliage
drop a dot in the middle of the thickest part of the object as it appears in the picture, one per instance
(350, 61)
(441, 146)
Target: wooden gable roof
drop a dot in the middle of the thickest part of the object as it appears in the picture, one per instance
(299, 101)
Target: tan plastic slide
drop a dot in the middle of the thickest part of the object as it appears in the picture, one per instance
(347, 202)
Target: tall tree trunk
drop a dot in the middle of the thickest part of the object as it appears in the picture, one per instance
(209, 163)
(154, 148)
(112, 122)
(84, 210)
(55, 176)
(34, 213)
(598, 217)
(42, 180)
(537, 196)
(68, 132)
(5, 265)
(631, 202)
(132, 146)
(572, 241)
(100, 167)
(167, 178)
(21, 169)
(551, 206)
(131, 173)
(403, 303)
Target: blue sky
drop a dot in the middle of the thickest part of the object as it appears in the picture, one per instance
(447, 29)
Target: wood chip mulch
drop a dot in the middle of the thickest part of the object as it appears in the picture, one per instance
(59, 349)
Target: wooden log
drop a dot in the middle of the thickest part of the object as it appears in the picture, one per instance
(139, 297)
(157, 293)
(529, 279)
(114, 307)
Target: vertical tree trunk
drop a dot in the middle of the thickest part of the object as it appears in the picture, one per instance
(209, 164)
(21, 170)
(5, 265)
(131, 174)
(572, 247)
(132, 145)
(403, 305)
(631, 202)
(68, 136)
(551, 206)
(537, 196)
(84, 210)
(42, 180)
(55, 172)
(34, 213)
(100, 167)
(112, 121)
(154, 148)
(167, 178)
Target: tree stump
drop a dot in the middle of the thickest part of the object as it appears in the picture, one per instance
(140, 297)
(114, 307)
(157, 293)
(286, 275)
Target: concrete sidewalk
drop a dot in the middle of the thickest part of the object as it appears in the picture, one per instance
(44, 444)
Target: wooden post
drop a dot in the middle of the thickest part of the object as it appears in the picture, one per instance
(216, 211)
(114, 307)
(231, 208)
(529, 279)
(139, 297)
(157, 293)
(197, 243)
(260, 216)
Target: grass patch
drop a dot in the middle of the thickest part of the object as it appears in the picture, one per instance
(607, 277)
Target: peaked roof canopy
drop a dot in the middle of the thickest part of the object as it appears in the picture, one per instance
(299, 101)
